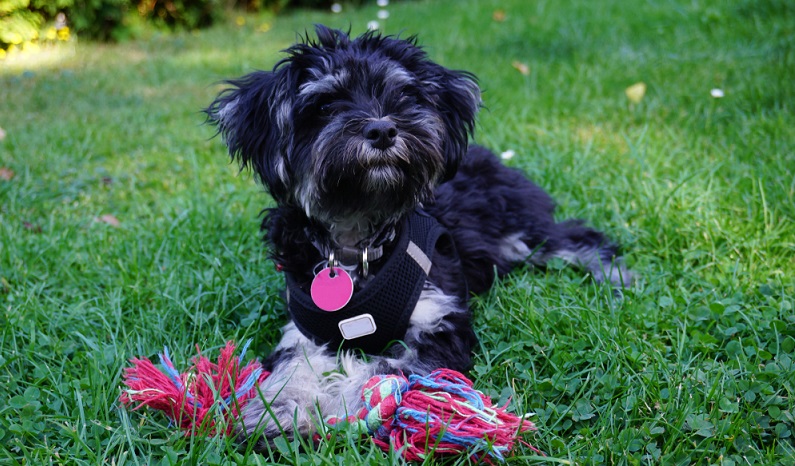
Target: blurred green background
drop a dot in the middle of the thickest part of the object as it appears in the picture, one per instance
(668, 124)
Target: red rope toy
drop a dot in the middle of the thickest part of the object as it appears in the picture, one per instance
(439, 414)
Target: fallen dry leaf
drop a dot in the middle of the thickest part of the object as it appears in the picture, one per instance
(636, 92)
(521, 67)
(109, 219)
(498, 15)
(31, 227)
(6, 173)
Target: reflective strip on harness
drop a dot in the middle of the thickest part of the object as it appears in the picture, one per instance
(419, 257)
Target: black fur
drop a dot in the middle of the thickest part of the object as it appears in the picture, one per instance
(487, 201)
(349, 136)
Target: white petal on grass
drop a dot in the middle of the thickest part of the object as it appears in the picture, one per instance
(373, 25)
(336, 8)
(508, 154)
(383, 3)
(716, 93)
(383, 14)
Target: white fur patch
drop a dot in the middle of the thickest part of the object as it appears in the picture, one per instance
(283, 116)
(292, 337)
(588, 258)
(325, 84)
(514, 249)
(281, 170)
(398, 75)
(226, 112)
(305, 195)
(431, 308)
(290, 393)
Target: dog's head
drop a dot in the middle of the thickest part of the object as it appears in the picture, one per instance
(348, 129)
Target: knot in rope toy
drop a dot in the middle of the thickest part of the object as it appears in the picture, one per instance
(439, 413)
(419, 416)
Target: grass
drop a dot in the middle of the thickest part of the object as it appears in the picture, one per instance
(693, 365)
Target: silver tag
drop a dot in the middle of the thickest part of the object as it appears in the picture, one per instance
(356, 327)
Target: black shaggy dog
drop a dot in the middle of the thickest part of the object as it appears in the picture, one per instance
(386, 219)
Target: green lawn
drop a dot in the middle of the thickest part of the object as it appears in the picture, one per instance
(693, 365)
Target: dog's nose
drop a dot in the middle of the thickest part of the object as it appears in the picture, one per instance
(380, 133)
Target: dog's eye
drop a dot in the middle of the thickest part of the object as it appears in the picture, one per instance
(325, 109)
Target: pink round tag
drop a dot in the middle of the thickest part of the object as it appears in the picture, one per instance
(331, 293)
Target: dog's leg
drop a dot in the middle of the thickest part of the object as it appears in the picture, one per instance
(307, 384)
(287, 399)
(576, 244)
(499, 218)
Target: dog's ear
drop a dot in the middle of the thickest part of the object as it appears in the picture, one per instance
(458, 101)
(253, 117)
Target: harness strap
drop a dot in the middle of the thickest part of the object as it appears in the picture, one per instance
(386, 303)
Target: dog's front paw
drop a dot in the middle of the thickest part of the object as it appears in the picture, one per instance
(262, 422)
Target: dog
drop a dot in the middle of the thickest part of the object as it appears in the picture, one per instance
(386, 220)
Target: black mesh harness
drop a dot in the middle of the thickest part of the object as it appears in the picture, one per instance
(387, 301)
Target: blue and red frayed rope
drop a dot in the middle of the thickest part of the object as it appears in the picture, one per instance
(206, 394)
(437, 414)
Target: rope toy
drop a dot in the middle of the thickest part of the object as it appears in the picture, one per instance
(438, 414)
(201, 398)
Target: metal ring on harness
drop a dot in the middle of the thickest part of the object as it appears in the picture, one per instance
(332, 263)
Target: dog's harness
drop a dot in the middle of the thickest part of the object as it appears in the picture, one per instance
(378, 315)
